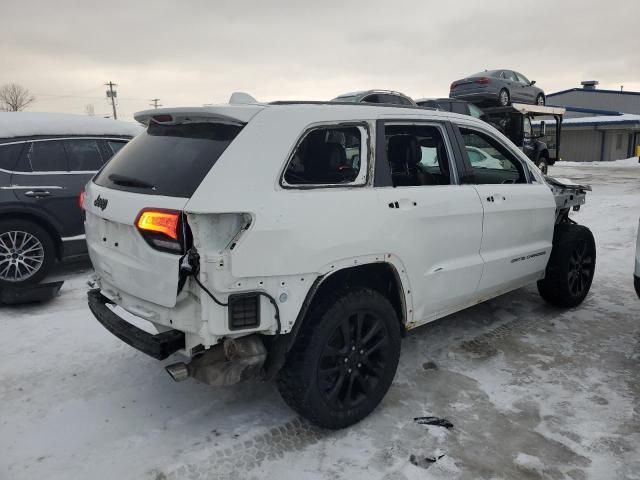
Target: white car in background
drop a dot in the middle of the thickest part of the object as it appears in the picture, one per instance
(257, 245)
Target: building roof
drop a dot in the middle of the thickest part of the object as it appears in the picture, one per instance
(591, 91)
(625, 119)
(26, 124)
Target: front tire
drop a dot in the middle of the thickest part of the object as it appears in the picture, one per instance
(504, 98)
(543, 164)
(571, 267)
(27, 253)
(344, 359)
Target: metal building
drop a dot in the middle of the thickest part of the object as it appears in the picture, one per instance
(599, 125)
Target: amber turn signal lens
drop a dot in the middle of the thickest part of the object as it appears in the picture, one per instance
(159, 221)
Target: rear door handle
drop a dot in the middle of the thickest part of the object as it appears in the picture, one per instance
(37, 193)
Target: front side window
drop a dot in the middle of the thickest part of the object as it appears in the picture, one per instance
(331, 155)
(491, 162)
(84, 155)
(417, 155)
(522, 78)
(46, 156)
(509, 75)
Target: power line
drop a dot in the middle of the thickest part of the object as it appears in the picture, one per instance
(154, 102)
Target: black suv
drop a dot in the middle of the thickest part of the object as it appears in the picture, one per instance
(41, 177)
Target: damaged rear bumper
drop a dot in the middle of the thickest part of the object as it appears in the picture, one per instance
(158, 346)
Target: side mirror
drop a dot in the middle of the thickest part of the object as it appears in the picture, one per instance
(543, 129)
(532, 82)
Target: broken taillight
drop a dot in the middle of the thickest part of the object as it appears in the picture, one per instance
(162, 229)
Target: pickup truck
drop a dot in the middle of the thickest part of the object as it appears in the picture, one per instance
(298, 241)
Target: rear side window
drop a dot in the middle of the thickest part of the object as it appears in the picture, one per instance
(46, 156)
(490, 161)
(329, 156)
(83, 155)
(9, 155)
(116, 146)
(169, 160)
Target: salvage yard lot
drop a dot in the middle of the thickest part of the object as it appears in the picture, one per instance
(531, 391)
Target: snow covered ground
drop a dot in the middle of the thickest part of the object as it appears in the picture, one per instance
(532, 391)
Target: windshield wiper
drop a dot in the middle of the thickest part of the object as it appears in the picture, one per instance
(130, 181)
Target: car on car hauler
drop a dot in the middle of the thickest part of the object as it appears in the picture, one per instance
(299, 240)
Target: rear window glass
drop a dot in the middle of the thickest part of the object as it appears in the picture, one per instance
(169, 160)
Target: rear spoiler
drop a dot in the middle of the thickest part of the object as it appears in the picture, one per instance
(233, 114)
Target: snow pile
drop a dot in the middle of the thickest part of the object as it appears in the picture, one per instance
(627, 162)
(529, 463)
(23, 124)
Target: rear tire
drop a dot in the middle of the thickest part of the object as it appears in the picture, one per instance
(571, 267)
(27, 253)
(343, 360)
(504, 98)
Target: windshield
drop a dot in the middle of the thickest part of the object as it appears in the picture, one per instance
(169, 160)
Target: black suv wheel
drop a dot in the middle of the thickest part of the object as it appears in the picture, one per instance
(26, 253)
(344, 359)
(571, 267)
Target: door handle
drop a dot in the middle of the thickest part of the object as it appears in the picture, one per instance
(37, 193)
(496, 198)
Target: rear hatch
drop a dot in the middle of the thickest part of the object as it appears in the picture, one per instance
(135, 229)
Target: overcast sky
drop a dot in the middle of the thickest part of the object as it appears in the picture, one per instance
(196, 52)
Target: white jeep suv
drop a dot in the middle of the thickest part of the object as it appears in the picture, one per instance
(300, 240)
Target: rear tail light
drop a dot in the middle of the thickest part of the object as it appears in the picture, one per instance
(81, 200)
(483, 80)
(163, 229)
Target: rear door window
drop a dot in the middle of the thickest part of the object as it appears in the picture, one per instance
(46, 156)
(169, 160)
(83, 155)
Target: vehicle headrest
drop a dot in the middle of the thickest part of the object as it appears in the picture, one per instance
(327, 157)
(404, 150)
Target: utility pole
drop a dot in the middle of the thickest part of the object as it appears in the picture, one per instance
(154, 102)
(112, 94)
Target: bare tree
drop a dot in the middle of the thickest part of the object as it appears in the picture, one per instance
(14, 98)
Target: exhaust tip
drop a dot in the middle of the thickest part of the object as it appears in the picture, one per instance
(178, 371)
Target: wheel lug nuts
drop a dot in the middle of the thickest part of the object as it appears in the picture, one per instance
(359, 365)
(349, 370)
(353, 348)
(361, 352)
(346, 360)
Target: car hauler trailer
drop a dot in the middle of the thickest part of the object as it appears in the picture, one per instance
(516, 122)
